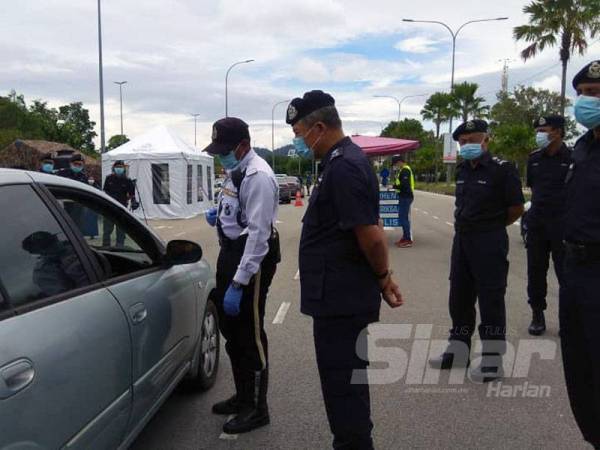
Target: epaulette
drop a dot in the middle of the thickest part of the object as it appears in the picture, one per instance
(337, 152)
(535, 152)
(499, 161)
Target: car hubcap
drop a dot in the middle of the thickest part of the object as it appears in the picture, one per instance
(209, 344)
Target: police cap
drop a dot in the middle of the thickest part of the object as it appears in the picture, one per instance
(76, 157)
(470, 126)
(47, 157)
(312, 101)
(119, 162)
(227, 133)
(589, 74)
(550, 121)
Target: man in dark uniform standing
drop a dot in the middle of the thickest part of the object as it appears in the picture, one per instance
(247, 262)
(76, 170)
(546, 172)
(488, 199)
(580, 295)
(343, 260)
(120, 187)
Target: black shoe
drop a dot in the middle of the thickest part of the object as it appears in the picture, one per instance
(538, 324)
(248, 419)
(227, 407)
(489, 370)
(447, 360)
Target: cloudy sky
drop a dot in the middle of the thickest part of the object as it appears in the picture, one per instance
(174, 55)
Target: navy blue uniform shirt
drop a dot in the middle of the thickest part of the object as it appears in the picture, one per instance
(336, 278)
(77, 176)
(121, 188)
(583, 192)
(546, 175)
(484, 193)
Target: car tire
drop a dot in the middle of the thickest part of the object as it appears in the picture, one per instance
(209, 350)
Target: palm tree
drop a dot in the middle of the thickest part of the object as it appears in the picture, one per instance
(567, 21)
(465, 103)
(438, 110)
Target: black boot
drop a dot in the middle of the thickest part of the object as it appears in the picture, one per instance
(231, 405)
(489, 370)
(538, 324)
(456, 355)
(254, 412)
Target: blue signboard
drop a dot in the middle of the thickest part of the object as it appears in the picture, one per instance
(391, 222)
(389, 209)
(388, 195)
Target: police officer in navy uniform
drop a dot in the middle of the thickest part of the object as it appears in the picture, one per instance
(488, 199)
(246, 265)
(120, 187)
(343, 260)
(76, 170)
(580, 296)
(546, 172)
(47, 164)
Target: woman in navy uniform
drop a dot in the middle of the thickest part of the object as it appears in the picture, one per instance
(488, 199)
(343, 260)
(580, 296)
(546, 172)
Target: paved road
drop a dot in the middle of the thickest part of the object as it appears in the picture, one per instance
(406, 413)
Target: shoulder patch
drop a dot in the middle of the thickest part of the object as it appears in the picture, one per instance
(337, 152)
(499, 161)
(535, 152)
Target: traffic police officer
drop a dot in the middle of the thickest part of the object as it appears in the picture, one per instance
(580, 296)
(120, 187)
(343, 261)
(247, 261)
(47, 164)
(546, 172)
(488, 199)
(404, 184)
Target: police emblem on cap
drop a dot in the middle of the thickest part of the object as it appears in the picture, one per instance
(542, 121)
(214, 133)
(594, 70)
(292, 112)
(470, 126)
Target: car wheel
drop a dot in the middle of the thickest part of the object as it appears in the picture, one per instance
(208, 354)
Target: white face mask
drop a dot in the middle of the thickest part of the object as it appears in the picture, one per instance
(542, 139)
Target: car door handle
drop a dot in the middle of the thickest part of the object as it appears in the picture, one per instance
(15, 377)
(138, 313)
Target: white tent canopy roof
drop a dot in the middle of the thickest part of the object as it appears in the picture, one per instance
(160, 143)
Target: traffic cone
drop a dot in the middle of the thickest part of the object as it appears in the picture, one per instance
(298, 199)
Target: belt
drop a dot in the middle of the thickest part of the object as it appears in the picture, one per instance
(583, 252)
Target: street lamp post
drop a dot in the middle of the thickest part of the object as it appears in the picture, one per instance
(101, 80)
(227, 79)
(195, 116)
(400, 101)
(273, 129)
(121, 83)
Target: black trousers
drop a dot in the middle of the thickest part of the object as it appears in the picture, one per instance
(540, 245)
(347, 401)
(247, 344)
(580, 341)
(478, 273)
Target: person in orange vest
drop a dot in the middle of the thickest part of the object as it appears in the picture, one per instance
(404, 184)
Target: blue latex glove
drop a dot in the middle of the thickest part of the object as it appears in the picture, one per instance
(211, 216)
(232, 300)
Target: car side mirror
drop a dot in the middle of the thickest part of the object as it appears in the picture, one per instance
(182, 252)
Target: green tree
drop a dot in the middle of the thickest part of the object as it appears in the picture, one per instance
(117, 140)
(563, 22)
(513, 142)
(410, 129)
(466, 104)
(77, 129)
(438, 110)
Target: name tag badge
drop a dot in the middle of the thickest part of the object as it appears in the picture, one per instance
(535, 164)
(481, 182)
(460, 181)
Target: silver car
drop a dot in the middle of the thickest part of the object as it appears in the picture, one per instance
(99, 319)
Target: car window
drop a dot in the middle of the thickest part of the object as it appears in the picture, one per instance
(120, 246)
(37, 260)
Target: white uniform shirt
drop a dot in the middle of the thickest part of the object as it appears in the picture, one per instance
(258, 200)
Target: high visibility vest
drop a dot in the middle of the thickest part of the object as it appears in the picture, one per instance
(412, 177)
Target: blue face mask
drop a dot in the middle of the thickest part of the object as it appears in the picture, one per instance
(542, 140)
(587, 111)
(77, 169)
(301, 147)
(119, 171)
(48, 168)
(471, 151)
(229, 161)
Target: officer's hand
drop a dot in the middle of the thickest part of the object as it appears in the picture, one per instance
(232, 300)
(211, 216)
(391, 294)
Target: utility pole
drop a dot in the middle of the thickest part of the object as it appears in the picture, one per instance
(121, 83)
(195, 116)
(101, 76)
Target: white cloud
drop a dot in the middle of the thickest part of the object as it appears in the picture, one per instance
(551, 83)
(419, 44)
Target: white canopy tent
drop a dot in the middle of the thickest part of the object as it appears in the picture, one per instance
(174, 180)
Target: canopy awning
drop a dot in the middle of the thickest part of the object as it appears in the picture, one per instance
(383, 146)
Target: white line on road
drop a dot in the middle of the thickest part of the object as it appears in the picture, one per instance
(449, 224)
(297, 276)
(277, 222)
(426, 213)
(180, 234)
(280, 316)
(436, 217)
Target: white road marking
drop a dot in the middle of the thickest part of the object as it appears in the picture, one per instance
(280, 316)
(229, 437)
(161, 227)
(436, 217)
(426, 213)
(180, 234)
(297, 276)
(277, 222)
(449, 224)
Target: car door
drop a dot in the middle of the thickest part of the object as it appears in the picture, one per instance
(65, 350)
(160, 302)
